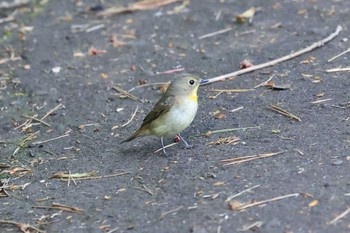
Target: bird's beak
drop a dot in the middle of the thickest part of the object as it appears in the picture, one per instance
(203, 81)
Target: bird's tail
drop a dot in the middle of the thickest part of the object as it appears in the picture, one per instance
(138, 133)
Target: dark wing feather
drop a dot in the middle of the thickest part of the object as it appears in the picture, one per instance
(161, 107)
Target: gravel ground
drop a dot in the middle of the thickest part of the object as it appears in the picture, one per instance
(70, 61)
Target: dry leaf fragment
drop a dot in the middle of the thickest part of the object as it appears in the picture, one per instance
(228, 140)
(164, 87)
(245, 64)
(234, 205)
(219, 183)
(78, 54)
(218, 115)
(309, 60)
(103, 75)
(248, 14)
(115, 42)
(313, 203)
(93, 51)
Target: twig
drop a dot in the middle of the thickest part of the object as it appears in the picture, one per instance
(113, 230)
(171, 71)
(11, 58)
(124, 92)
(237, 109)
(71, 178)
(146, 85)
(283, 112)
(253, 226)
(87, 125)
(246, 206)
(215, 33)
(22, 143)
(9, 18)
(264, 83)
(137, 6)
(171, 211)
(36, 119)
(13, 4)
(97, 177)
(51, 139)
(320, 101)
(170, 145)
(338, 70)
(240, 193)
(132, 117)
(340, 216)
(51, 111)
(248, 158)
(147, 190)
(207, 134)
(60, 207)
(340, 54)
(22, 226)
(63, 178)
(94, 28)
(231, 90)
(279, 60)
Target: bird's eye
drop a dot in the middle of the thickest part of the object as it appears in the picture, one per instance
(191, 82)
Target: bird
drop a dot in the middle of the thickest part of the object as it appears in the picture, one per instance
(174, 111)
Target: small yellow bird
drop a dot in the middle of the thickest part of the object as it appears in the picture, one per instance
(174, 112)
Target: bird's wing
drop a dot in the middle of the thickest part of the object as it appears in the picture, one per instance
(161, 107)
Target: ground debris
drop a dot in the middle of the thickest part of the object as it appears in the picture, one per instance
(278, 60)
(239, 160)
(25, 228)
(58, 206)
(283, 112)
(137, 6)
(255, 226)
(83, 176)
(238, 206)
(232, 140)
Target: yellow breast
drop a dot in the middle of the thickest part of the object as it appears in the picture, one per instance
(193, 95)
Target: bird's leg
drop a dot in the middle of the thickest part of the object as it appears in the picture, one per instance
(187, 146)
(161, 139)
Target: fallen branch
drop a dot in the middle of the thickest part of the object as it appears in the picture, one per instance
(22, 226)
(279, 60)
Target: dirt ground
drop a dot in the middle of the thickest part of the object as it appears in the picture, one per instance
(66, 62)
